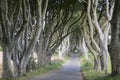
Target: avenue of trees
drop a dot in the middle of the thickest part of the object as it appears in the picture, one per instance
(46, 27)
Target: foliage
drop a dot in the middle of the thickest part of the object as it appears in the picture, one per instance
(91, 74)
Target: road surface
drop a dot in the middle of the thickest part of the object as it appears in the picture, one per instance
(69, 71)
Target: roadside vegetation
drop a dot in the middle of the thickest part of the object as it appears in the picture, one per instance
(55, 64)
(91, 74)
(0, 48)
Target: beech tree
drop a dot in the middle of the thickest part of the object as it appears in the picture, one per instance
(115, 40)
(11, 28)
(102, 48)
(63, 47)
(14, 27)
(55, 31)
(77, 42)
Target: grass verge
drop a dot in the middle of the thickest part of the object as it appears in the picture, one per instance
(90, 74)
(0, 48)
(55, 64)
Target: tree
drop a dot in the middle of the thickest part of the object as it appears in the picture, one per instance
(115, 40)
(102, 49)
(11, 29)
(41, 7)
(15, 23)
(77, 42)
(57, 28)
(63, 47)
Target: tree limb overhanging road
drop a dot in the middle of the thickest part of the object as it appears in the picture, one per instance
(69, 71)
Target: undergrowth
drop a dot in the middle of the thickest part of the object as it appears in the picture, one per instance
(91, 74)
(55, 64)
(0, 48)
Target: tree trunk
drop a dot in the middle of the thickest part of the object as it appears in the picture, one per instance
(7, 67)
(96, 56)
(115, 40)
(102, 35)
(16, 70)
(47, 58)
(83, 48)
(104, 56)
(16, 63)
(115, 59)
(44, 60)
(16, 66)
(40, 46)
(23, 65)
(63, 48)
(41, 59)
(41, 11)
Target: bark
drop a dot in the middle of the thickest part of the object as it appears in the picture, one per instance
(29, 48)
(103, 52)
(12, 28)
(41, 49)
(83, 48)
(43, 57)
(17, 55)
(27, 43)
(5, 40)
(47, 57)
(104, 56)
(94, 52)
(52, 35)
(40, 21)
(115, 40)
(102, 35)
(97, 63)
(16, 67)
(40, 46)
(63, 48)
(7, 68)
(96, 47)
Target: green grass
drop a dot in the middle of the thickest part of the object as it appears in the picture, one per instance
(0, 48)
(91, 74)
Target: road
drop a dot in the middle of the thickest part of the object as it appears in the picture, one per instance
(69, 71)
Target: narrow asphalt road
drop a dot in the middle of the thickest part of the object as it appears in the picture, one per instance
(69, 71)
